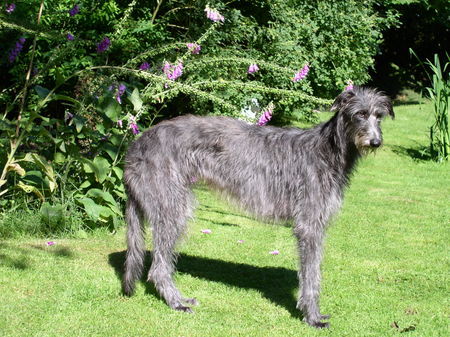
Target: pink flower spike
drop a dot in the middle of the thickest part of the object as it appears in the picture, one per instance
(301, 74)
(274, 252)
(214, 15)
(253, 68)
(206, 231)
(194, 48)
(266, 115)
(51, 243)
(120, 123)
(240, 241)
(172, 72)
(134, 128)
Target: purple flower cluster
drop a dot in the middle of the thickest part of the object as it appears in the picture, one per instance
(133, 125)
(266, 115)
(10, 8)
(74, 10)
(349, 85)
(173, 71)
(103, 45)
(120, 91)
(16, 51)
(253, 68)
(194, 48)
(144, 66)
(301, 74)
(214, 15)
(70, 37)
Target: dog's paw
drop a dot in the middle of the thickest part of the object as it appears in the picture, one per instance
(320, 325)
(316, 321)
(184, 309)
(190, 301)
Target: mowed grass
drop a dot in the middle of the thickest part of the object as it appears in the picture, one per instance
(385, 271)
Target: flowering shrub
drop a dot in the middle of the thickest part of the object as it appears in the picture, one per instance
(96, 74)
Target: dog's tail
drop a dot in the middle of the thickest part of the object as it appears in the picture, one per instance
(134, 262)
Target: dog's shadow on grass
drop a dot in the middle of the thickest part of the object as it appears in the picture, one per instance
(418, 153)
(274, 283)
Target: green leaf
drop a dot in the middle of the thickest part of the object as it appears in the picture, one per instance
(59, 79)
(113, 109)
(66, 98)
(99, 166)
(36, 179)
(85, 184)
(88, 165)
(59, 158)
(118, 171)
(97, 194)
(45, 167)
(41, 91)
(102, 168)
(79, 122)
(136, 100)
(111, 150)
(91, 208)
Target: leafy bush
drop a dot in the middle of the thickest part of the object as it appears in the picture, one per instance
(96, 73)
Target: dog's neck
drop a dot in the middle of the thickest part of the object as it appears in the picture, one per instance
(341, 143)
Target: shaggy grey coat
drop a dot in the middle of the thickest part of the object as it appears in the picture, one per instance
(275, 173)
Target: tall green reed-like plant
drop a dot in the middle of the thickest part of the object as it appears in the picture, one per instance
(439, 93)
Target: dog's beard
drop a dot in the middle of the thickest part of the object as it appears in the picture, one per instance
(364, 151)
(363, 146)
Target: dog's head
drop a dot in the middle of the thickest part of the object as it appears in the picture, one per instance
(362, 110)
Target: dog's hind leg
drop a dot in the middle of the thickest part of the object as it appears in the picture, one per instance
(169, 214)
(310, 241)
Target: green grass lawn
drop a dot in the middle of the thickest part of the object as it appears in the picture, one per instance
(385, 273)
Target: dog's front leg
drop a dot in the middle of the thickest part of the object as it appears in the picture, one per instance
(310, 241)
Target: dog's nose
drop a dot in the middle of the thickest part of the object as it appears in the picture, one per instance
(375, 142)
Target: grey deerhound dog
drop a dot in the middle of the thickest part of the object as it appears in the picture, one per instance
(274, 173)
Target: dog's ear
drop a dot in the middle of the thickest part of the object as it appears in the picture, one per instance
(342, 100)
(389, 108)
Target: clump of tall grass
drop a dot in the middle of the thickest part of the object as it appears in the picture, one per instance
(439, 93)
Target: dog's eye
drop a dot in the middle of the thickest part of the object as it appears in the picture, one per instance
(363, 114)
